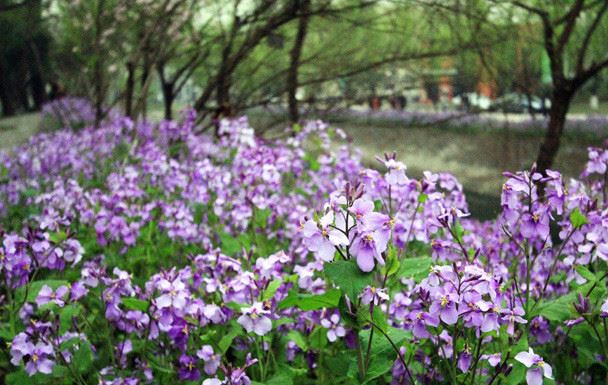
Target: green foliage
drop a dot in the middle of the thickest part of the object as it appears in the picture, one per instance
(329, 299)
(348, 277)
(577, 219)
(417, 268)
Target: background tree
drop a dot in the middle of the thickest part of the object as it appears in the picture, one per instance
(572, 34)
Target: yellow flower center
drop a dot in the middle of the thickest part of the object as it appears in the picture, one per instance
(444, 301)
(35, 357)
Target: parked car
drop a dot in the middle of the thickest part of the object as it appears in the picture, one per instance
(521, 103)
(472, 102)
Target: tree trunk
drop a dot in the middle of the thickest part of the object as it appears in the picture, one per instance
(560, 103)
(223, 89)
(8, 108)
(38, 91)
(143, 99)
(168, 98)
(130, 89)
(294, 66)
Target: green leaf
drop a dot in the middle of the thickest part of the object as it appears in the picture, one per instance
(378, 206)
(416, 268)
(422, 198)
(382, 353)
(348, 277)
(58, 237)
(318, 338)
(561, 308)
(517, 375)
(261, 217)
(135, 304)
(230, 245)
(577, 218)
(298, 338)
(556, 310)
(587, 345)
(585, 273)
(377, 317)
(458, 231)
(307, 302)
(66, 314)
(271, 290)
(392, 262)
(226, 340)
(83, 357)
(313, 163)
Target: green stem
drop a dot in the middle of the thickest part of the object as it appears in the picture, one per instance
(396, 349)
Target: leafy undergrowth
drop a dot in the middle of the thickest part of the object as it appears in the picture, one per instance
(153, 254)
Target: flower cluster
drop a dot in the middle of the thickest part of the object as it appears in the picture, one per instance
(152, 253)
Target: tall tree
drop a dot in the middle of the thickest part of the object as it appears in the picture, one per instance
(294, 62)
(569, 29)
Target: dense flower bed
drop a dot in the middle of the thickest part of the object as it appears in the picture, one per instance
(154, 254)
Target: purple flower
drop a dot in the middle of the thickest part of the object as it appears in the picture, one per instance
(212, 360)
(37, 357)
(604, 309)
(513, 316)
(464, 360)
(46, 295)
(538, 367)
(535, 225)
(174, 294)
(366, 249)
(445, 307)
(493, 359)
(373, 295)
(335, 329)
(322, 239)
(420, 321)
(539, 328)
(187, 368)
(361, 207)
(254, 319)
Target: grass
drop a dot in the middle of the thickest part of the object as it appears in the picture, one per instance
(17, 129)
(582, 107)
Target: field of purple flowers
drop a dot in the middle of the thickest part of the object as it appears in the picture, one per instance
(140, 253)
